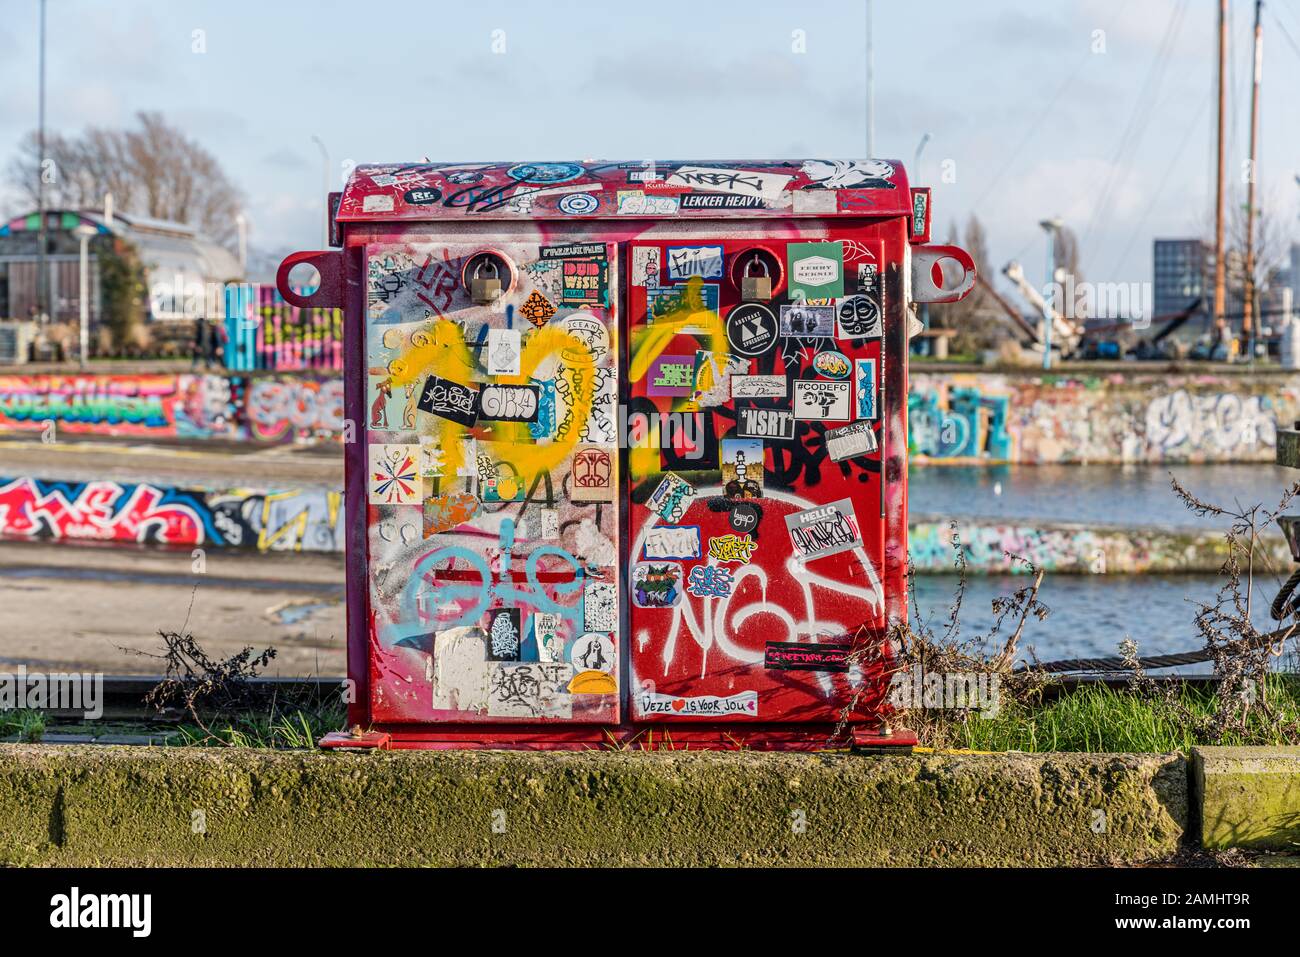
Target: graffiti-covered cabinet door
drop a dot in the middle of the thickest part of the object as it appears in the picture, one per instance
(756, 532)
(492, 524)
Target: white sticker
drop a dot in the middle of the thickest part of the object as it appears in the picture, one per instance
(460, 675)
(814, 201)
(635, 202)
(671, 498)
(600, 606)
(822, 400)
(824, 530)
(592, 652)
(673, 541)
(546, 633)
(529, 689)
(685, 262)
(742, 182)
(852, 440)
(504, 347)
(712, 706)
(394, 476)
(759, 387)
(646, 264)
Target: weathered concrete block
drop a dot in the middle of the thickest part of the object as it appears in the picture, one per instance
(1248, 797)
(78, 806)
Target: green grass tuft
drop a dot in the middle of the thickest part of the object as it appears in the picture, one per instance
(1096, 718)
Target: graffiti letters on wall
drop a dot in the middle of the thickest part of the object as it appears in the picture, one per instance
(174, 406)
(1049, 419)
(1066, 548)
(106, 511)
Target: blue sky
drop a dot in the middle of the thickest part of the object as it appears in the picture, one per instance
(1025, 119)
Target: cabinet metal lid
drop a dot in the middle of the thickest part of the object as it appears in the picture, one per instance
(595, 189)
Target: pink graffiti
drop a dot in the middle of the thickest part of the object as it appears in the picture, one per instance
(279, 407)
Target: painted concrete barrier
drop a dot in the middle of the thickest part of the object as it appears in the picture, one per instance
(145, 513)
(174, 406)
(1247, 797)
(312, 520)
(1133, 416)
(1069, 548)
(77, 806)
(954, 417)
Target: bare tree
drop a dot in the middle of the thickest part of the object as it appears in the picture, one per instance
(1272, 248)
(152, 169)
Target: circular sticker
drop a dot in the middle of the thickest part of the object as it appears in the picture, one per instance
(859, 316)
(592, 652)
(578, 204)
(751, 329)
(545, 172)
(744, 517)
(831, 364)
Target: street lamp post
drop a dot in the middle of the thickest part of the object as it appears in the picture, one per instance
(1050, 226)
(325, 183)
(916, 171)
(85, 233)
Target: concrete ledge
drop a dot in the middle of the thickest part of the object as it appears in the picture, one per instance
(1072, 548)
(81, 806)
(1248, 797)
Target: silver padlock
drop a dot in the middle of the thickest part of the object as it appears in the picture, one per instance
(756, 288)
(485, 290)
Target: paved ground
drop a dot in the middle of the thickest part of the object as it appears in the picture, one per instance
(79, 607)
(202, 464)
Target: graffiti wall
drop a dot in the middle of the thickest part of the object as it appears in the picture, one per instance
(265, 332)
(1065, 548)
(312, 520)
(952, 417)
(1033, 418)
(142, 513)
(174, 406)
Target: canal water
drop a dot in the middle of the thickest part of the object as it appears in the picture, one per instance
(1090, 614)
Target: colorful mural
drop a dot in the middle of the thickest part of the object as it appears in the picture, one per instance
(265, 332)
(312, 520)
(952, 417)
(144, 513)
(1036, 418)
(1064, 548)
(174, 406)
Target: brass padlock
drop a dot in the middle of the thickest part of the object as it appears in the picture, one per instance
(756, 288)
(484, 290)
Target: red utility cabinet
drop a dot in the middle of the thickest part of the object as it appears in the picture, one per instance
(626, 456)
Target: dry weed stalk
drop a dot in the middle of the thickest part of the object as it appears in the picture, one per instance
(941, 650)
(1241, 654)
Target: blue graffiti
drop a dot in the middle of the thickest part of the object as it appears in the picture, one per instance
(425, 592)
(544, 427)
(973, 425)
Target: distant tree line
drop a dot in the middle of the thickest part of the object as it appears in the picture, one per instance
(152, 169)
